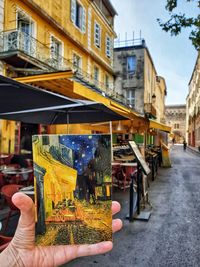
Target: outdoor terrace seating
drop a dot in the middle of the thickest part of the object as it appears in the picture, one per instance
(8, 191)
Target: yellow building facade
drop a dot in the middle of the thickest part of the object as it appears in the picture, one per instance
(85, 42)
(47, 37)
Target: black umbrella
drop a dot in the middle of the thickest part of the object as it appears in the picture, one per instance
(15, 96)
(84, 112)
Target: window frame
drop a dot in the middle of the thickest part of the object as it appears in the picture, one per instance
(58, 42)
(130, 97)
(131, 71)
(107, 78)
(97, 35)
(79, 65)
(78, 18)
(96, 71)
(108, 44)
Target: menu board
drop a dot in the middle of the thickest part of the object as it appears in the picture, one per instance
(139, 157)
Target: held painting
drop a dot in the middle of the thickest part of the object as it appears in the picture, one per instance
(72, 188)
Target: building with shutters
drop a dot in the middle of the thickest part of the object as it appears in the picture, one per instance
(44, 37)
(193, 106)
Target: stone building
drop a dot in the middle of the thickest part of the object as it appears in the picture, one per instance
(193, 106)
(137, 81)
(175, 116)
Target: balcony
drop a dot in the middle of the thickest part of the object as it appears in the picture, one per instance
(25, 53)
(28, 56)
(149, 110)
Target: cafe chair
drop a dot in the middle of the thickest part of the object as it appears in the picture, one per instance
(27, 179)
(127, 172)
(4, 241)
(8, 159)
(115, 174)
(29, 163)
(13, 165)
(2, 183)
(16, 179)
(8, 191)
(119, 177)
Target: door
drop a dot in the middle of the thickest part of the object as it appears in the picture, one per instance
(25, 29)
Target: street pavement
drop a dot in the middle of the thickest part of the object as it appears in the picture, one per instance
(171, 237)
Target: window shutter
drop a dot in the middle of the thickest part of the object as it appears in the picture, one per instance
(111, 47)
(73, 10)
(99, 36)
(84, 21)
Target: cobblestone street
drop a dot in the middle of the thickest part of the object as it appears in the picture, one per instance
(171, 237)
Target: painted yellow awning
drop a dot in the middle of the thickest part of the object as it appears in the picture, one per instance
(159, 126)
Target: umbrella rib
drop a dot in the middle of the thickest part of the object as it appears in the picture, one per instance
(54, 118)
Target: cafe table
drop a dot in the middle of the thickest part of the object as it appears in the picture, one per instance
(15, 171)
(23, 172)
(2, 158)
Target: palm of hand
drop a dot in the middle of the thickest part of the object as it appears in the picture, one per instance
(23, 252)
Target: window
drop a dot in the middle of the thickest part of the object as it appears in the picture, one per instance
(97, 35)
(56, 48)
(108, 46)
(78, 15)
(77, 63)
(131, 66)
(176, 126)
(107, 81)
(130, 97)
(96, 75)
(26, 26)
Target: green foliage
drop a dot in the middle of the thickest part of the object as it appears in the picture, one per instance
(179, 21)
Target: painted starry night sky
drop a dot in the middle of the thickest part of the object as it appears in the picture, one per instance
(84, 147)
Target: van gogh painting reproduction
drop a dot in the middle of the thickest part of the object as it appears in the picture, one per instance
(72, 188)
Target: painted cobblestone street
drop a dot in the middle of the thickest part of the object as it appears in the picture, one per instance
(172, 235)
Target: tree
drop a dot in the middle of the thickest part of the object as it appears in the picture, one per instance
(179, 21)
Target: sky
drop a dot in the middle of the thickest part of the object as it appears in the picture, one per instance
(174, 57)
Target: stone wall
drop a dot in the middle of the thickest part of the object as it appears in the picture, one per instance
(175, 116)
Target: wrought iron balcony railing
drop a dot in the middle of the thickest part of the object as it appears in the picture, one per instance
(17, 41)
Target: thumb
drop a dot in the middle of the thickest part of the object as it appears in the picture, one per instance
(25, 234)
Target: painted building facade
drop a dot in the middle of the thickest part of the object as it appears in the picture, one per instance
(175, 116)
(193, 106)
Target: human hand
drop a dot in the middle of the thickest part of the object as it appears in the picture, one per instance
(22, 251)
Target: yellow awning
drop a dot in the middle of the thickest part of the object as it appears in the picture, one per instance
(159, 126)
(63, 83)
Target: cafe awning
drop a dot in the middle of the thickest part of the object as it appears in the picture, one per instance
(16, 96)
(67, 84)
(85, 112)
(159, 126)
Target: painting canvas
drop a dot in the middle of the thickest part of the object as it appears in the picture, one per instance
(72, 188)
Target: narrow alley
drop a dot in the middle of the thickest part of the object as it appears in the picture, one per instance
(172, 235)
